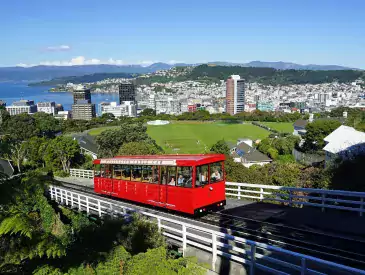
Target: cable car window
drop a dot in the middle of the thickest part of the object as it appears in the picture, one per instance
(171, 176)
(102, 170)
(155, 176)
(136, 173)
(146, 173)
(202, 175)
(117, 171)
(216, 172)
(126, 172)
(97, 170)
(108, 170)
(184, 176)
(163, 176)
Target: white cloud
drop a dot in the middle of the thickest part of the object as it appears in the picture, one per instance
(81, 60)
(59, 48)
(172, 62)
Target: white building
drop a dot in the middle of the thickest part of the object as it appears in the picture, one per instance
(64, 115)
(47, 107)
(167, 105)
(128, 108)
(22, 106)
(345, 143)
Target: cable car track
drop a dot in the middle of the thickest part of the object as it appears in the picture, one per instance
(329, 247)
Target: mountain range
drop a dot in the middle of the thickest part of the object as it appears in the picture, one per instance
(38, 73)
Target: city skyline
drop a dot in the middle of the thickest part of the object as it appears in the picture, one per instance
(91, 32)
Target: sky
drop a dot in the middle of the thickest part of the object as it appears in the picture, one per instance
(143, 32)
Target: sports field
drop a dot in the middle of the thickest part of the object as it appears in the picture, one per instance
(185, 137)
(284, 127)
(97, 131)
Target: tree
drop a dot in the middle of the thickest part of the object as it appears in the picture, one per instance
(47, 125)
(18, 152)
(316, 132)
(148, 112)
(4, 116)
(139, 148)
(110, 141)
(21, 127)
(29, 226)
(61, 151)
(36, 148)
(220, 147)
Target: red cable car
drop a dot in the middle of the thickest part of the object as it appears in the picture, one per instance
(192, 184)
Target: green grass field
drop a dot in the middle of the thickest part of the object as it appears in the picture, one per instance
(284, 127)
(198, 137)
(97, 131)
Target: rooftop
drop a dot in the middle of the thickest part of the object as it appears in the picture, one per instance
(343, 138)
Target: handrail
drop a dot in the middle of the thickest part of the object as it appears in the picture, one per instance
(82, 173)
(325, 199)
(245, 251)
(322, 198)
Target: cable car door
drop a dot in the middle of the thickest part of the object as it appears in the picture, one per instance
(108, 179)
(163, 186)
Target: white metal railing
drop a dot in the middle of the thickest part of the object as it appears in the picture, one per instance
(257, 256)
(334, 199)
(325, 199)
(81, 173)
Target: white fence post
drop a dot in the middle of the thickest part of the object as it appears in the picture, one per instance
(51, 191)
(239, 192)
(323, 201)
(79, 199)
(184, 238)
(87, 205)
(290, 198)
(61, 193)
(361, 205)
(99, 208)
(303, 270)
(214, 250)
(261, 194)
(72, 200)
(253, 259)
(159, 224)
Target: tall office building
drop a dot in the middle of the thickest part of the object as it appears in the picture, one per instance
(127, 92)
(235, 95)
(81, 93)
(82, 107)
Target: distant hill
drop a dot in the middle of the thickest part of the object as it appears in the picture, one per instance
(271, 76)
(283, 65)
(293, 66)
(40, 73)
(82, 79)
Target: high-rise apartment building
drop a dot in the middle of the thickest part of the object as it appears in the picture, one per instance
(235, 95)
(127, 92)
(82, 107)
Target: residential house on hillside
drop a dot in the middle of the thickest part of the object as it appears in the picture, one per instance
(87, 145)
(246, 154)
(299, 127)
(345, 142)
